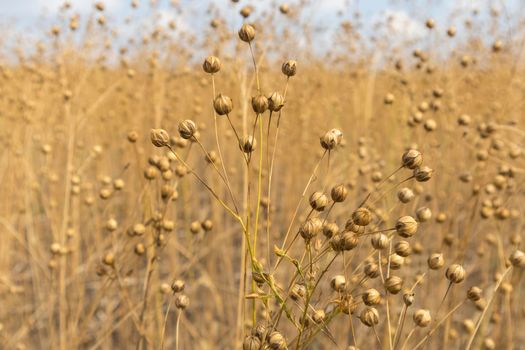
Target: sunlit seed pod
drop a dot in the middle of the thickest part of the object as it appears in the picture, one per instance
(251, 342)
(347, 305)
(464, 120)
(403, 248)
(140, 249)
(178, 286)
(318, 316)
(517, 258)
(455, 273)
(159, 137)
(423, 214)
(497, 46)
(195, 227)
(207, 225)
(109, 259)
(246, 11)
(260, 331)
(423, 174)
(389, 99)
(211, 65)
(406, 226)
(371, 269)
(168, 225)
(318, 201)
(55, 248)
(396, 261)
(298, 292)
(362, 216)
(412, 159)
(247, 33)
(330, 229)
(371, 297)
(260, 104)
(111, 225)
(311, 228)
(451, 31)
(187, 129)
(331, 139)
(489, 344)
(369, 317)
(339, 193)
(182, 302)
(422, 318)
(118, 184)
(405, 195)
(284, 8)
(436, 261)
(289, 68)
(474, 293)
(276, 341)
(248, 144)
(430, 125)
(349, 240)
(164, 288)
(430, 23)
(351, 226)
(408, 299)
(394, 284)
(222, 104)
(469, 325)
(181, 170)
(338, 283)
(379, 241)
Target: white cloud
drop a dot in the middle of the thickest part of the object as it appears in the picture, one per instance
(400, 25)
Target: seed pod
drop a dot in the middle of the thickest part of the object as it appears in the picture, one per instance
(394, 284)
(405, 195)
(330, 229)
(311, 228)
(455, 273)
(408, 299)
(351, 226)
(178, 286)
(284, 8)
(379, 241)
(474, 293)
(464, 120)
(139, 249)
(331, 139)
(247, 33)
(347, 304)
(389, 99)
(133, 136)
(248, 144)
(187, 129)
(435, 261)
(362, 216)
(339, 193)
(371, 297)
(207, 225)
(211, 65)
(396, 261)
(259, 331)
(517, 258)
(259, 104)
(276, 341)
(369, 317)
(349, 241)
(423, 174)
(318, 201)
(251, 342)
(298, 292)
(182, 302)
(412, 159)
(402, 248)
(338, 283)
(406, 226)
(222, 104)
(318, 316)
(289, 68)
(275, 101)
(423, 214)
(371, 269)
(111, 225)
(451, 31)
(422, 318)
(109, 259)
(245, 11)
(159, 137)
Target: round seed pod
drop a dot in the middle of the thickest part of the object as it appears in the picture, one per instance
(422, 318)
(318, 316)
(394, 284)
(406, 226)
(369, 317)
(245, 11)
(408, 299)
(284, 8)
(289, 68)
(318, 201)
(379, 241)
(111, 225)
(339, 193)
(455, 273)
(195, 227)
(248, 144)
(423, 174)
(396, 261)
(423, 214)
(298, 292)
(247, 33)
(138, 229)
(133, 136)
(371, 297)
(517, 258)
(207, 225)
(362, 216)
(275, 101)
(402, 248)
(349, 241)
(389, 99)
(347, 304)
(371, 269)
(222, 104)
(178, 286)
(159, 137)
(412, 159)
(109, 259)
(251, 342)
(260, 104)
(405, 195)
(182, 302)
(140, 249)
(474, 293)
(331, 139)
(489, 344)
(311, 228)
(335, 243)
(330, 229)
(187, 129)
(351, 226)
(211, 65)
(430, 23)
(451, 31)
(338, 283)
(118, 184)
(435, 261)
(260, 331)
(276, 341)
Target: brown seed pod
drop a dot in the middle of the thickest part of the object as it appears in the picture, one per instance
(289, 68)
(187, 129)
(371, 297)
(140, 249)
(275, 101)
(474, 293)
(455, 273)
(311, 228)
(222, 104)
(406, 226)
(349, 241)
(422, 318)
(276, 341)
(402, 248)
(330, 229)
(396, 261)
(423, 174)
(178, 286)
(412, 159)
(207, 225)
(405, 195)
(318, 316)
(318, 201)
(182, 302)
(451, 31)
(298, 292)
(369, 317)
(435, 261)
(159, 137)
(247, 33)
(338, 283)
(379, 241)
(331, 139)
(133, 136)
(248, 144)
(517, 258)
(423, 214)
(251, 342)
(109, 259)
(259, 104)
(371, 269)
(211, 65)
(362, 216)
(389, 99)
(394, 284)
(408, 299)
(284, 8)
(339, 193)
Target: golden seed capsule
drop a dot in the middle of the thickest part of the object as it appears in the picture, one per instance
(260, 104)
(435, 261)
(289, 68)
(339, 193)
(222, 104)
(211, 65)
(455, 273)
(371, 297)
(406, 226)
(159, 137)
(247, 33)
(422, 318)
(369, 317)
(187, 129)
(412, 159)
(362, 216)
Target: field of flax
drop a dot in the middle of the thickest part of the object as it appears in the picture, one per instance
(246, 188)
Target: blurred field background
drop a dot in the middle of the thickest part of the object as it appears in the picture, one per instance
(109, 242)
